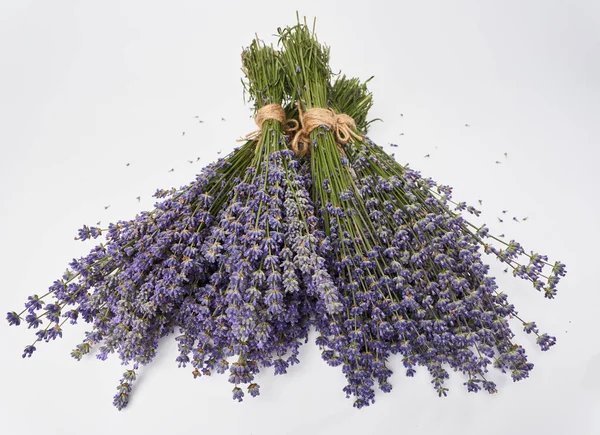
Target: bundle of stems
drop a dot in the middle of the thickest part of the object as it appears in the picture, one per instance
(407, 262)
(308, 224)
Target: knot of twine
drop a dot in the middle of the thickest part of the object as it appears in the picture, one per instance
(342, 126)
(271, 111)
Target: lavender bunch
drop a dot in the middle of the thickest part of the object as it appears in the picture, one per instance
(257, 305)
(265, 244)
(469, 319)
(409, 267)
(131, 287)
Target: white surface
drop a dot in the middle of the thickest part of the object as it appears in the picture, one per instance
(86, 87)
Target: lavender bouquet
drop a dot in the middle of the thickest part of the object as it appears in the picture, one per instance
(406, 261)
(299, 227)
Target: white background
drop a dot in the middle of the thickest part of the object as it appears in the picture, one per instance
(86, 87)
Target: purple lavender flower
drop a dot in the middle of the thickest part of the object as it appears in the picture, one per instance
(238, 394)
(86, 233)
(545, 341)
(34, 303)
(121, 399)
(13, 318)
(33, 321)
(28, 351)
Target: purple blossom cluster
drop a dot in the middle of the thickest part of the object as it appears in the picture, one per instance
(131, 288)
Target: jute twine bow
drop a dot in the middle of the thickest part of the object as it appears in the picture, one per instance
(342, 126)
(271, 111)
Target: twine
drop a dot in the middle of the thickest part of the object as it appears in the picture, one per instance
(271, 111)
(342, 126)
